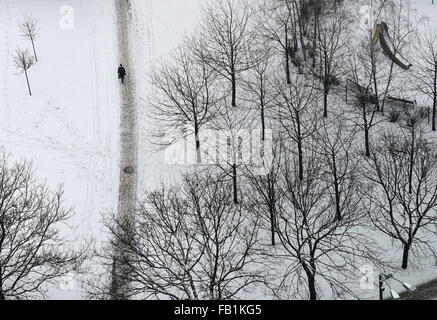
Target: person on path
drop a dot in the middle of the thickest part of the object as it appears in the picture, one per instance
(121, 73)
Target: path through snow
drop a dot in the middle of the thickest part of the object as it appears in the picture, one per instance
(129, 115)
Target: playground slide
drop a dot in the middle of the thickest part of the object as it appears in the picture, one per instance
(381, 32)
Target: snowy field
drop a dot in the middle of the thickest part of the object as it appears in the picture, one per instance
(69, 126)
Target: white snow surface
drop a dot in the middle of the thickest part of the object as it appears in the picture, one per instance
(159, 27)
(69, 127)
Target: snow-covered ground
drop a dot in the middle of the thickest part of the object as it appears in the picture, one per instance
(160, 35)
(424, 269)
(69, 126)
(159, 27)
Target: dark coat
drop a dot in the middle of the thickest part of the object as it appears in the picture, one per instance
(121, 72)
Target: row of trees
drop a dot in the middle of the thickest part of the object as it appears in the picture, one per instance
(233, 74)
(191, 241)
(279, 65)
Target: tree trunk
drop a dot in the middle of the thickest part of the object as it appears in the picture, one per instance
(301, 31)
(410, 174)
(434, 105)
(299, 146)
(300, 151)
(287, 68)
(302, 41)
(312, 287)
(234, 179)
(234, 90)
(378, 108)
(34, 51)
(325, 104)
(287, 57)
(387, 88)
(434, 111)
(375, 84)
(28, 84)
(2, 296)
(337, 190)
(405, 256)
(304, 49)
(367, 142)
(315, 40)
(366, 133)
(311, 275)
(272, 224)
(198, 153)
(263, 125)
(118, 289)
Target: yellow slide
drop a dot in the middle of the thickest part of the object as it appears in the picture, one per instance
(380, 30)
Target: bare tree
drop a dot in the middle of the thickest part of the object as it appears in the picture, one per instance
(191, 242)
(295, 113)
(318, 246)
(278, 26)
(364, 100)
(306, 14)
(33, 253)
(185, 99)
(23, 62)
(225, 42)
(230, 133)
(301, 9)
(225, 45)
(330, 45)
(426, 69)
(259, 90)
(285, 25)
(335, 143)
(264, 189)
(402, 195)
(29, 30)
